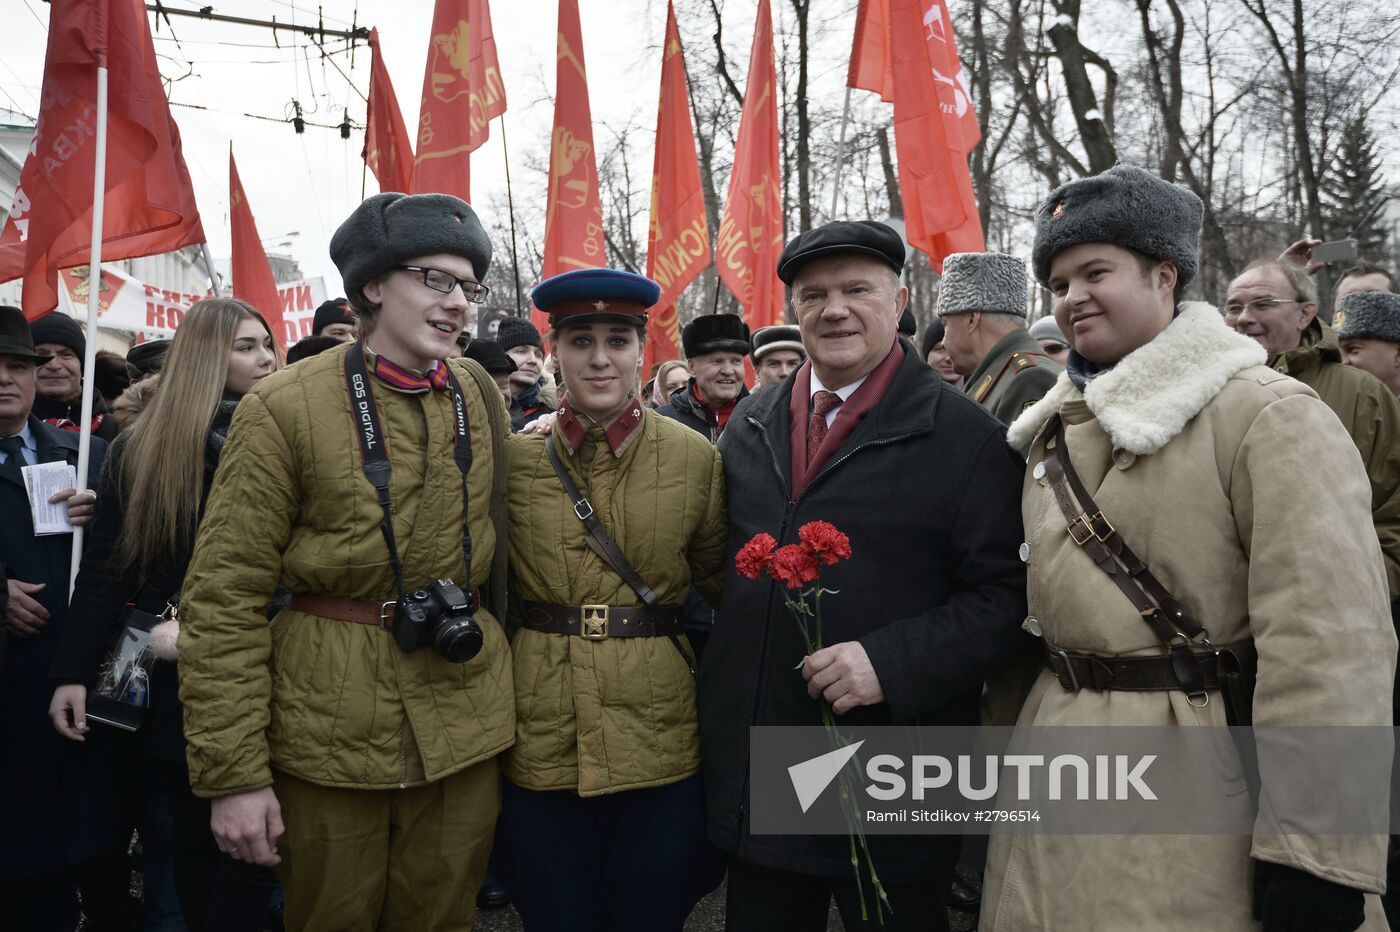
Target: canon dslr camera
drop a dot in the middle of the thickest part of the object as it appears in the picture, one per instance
(440, 615)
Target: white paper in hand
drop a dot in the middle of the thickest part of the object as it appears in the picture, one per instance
(43, 482)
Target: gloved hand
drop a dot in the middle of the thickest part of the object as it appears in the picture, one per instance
(1289, 900)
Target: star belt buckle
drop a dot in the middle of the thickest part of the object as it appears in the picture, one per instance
(594, 626)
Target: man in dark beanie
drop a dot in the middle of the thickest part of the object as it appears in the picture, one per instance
(496, 363)
(1167, 439)
(58, 399)
(310, 346)
(335, 319)
(916, 628)
(354, 742)
(523, 344)
(936, 354)
(1368, 329)
(982, 304)
(715, 346)
(777, 352)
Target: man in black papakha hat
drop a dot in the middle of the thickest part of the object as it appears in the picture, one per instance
(913, 631)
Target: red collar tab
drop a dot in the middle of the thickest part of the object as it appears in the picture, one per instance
(574, 427)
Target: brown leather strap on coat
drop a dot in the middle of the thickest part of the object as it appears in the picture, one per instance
(1173, 624)
(378, 614)
(1076, 671)
(599, 622)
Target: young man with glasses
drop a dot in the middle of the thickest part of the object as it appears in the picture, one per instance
(1275, 304)
(359, 760)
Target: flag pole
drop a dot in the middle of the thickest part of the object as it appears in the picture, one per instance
(99, 188)
(209, 267)
(840, 153)
(510, 206)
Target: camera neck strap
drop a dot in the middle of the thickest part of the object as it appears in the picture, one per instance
(375, 458)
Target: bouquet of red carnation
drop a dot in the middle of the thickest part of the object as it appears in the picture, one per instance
(820, 544)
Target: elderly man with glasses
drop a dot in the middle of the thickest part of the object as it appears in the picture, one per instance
(1276, 304)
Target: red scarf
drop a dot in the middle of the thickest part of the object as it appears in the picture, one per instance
(721, 414)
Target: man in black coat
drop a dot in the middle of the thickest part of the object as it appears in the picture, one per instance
(715, 346)
(58, 800)
(929, 605)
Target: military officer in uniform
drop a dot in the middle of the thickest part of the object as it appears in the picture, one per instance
(982, 304)
(613, 518)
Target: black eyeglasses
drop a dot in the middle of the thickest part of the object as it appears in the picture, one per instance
(438, 280)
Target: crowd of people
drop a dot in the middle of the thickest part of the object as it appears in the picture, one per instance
(434, 622)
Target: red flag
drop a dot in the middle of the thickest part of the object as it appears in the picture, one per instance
(387, 149)
(573, 226)
(678, 247)
(149, 202)
(872, 68)
(252, 275)
(462, 94)
(751, 233)
(935, 128)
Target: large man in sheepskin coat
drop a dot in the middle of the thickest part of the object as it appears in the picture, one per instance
(1229, 479)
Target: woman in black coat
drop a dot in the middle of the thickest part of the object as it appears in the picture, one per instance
(150, 499)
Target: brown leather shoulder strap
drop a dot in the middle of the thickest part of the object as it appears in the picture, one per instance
(600, 541)
(1169, 619)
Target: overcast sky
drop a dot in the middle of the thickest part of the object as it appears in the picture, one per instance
(310, 183)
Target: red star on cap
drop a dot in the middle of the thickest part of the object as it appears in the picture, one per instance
(600, 305)
(1059, 210)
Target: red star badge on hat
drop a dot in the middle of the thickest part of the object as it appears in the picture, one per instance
(600, 305)
(1059, 210)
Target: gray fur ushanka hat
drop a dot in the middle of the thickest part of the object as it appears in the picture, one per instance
(1124, 206)
(982, 282)
(1368, 315)
(391, 228)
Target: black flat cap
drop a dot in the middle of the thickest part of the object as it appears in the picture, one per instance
(146, 358)
(492, 358)
(867, 237)
(908, 326)
(715, 333)
(391, 228)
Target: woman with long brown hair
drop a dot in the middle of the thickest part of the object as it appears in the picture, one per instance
(150, 500)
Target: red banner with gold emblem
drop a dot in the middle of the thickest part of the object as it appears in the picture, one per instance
(573, 226)
(252, 275)
(935, 128)
(678, 247)
(751, 233)
(462, 94)
(387, 150)
(149, 202)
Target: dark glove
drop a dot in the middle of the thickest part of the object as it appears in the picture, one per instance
(1290, 900)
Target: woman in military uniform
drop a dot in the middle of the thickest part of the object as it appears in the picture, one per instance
(603, 821)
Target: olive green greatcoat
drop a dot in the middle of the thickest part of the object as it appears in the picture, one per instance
(334, 702)
(1013, 376)
(1371, 414)
(599, 717)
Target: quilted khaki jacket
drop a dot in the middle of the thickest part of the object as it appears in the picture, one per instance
(603, 716)
(334, 702)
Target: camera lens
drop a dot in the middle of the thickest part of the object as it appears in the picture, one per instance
(459, 639)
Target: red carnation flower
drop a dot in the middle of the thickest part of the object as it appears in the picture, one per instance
(793, 566)
(823, 541)
(755, 556)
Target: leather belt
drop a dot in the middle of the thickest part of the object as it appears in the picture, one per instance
(599, 622)
(1095, 671)
(377, 614)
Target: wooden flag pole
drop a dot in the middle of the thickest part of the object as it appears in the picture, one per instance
(510, 206)
(99, 190)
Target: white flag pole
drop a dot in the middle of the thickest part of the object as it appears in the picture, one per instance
(99, 189)
(209, 267)
(840, 154)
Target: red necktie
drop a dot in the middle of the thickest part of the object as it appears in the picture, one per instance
(823, 403)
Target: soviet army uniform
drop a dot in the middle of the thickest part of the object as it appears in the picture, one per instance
(1013, 376)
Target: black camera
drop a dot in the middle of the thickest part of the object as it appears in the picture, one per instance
(440, 615)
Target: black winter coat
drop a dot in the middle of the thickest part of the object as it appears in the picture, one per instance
(693, 413)
(46, 409)
(930, 496)
(58, 798)
(102, 593)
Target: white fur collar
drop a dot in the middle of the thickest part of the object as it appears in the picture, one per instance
(1146, 400)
